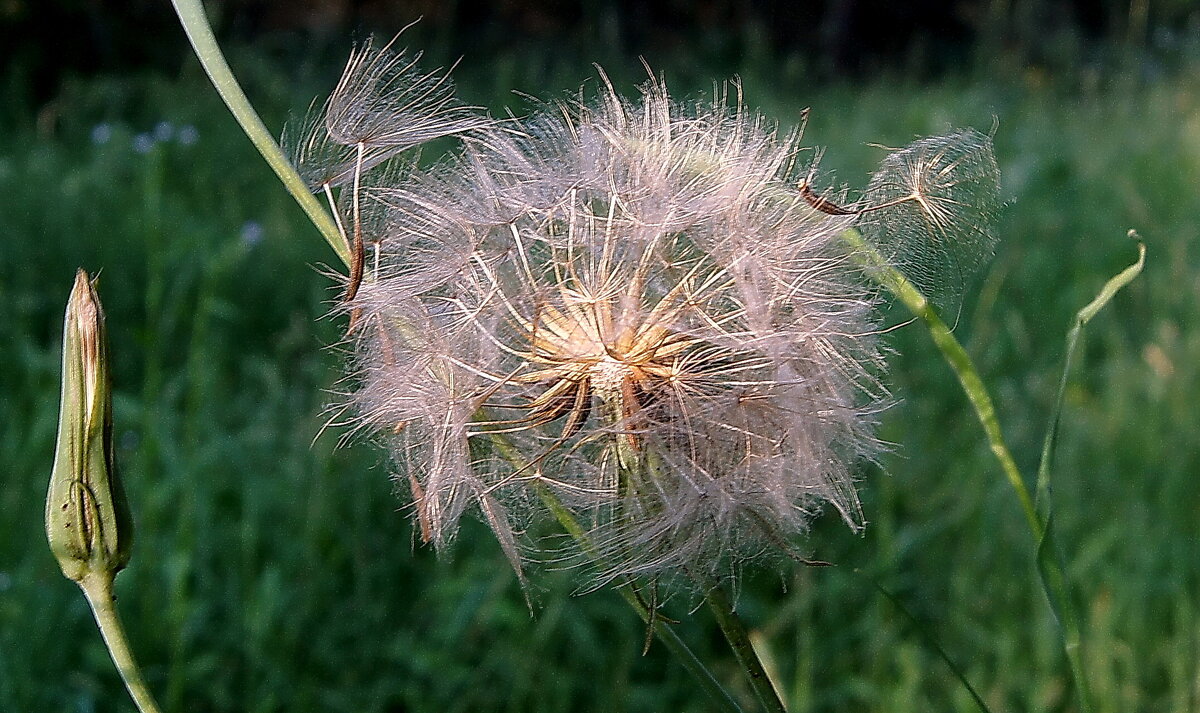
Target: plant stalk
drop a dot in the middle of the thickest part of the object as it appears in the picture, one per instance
(739, 640)
(708, 682)
(200, 34)
(1037, 511)
(662, 630)
(98, 589)
(1050, 565)
(960, 363)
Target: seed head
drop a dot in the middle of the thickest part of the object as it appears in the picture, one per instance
(627, 304)
(930, 207)
(640, 308)
(383, 105)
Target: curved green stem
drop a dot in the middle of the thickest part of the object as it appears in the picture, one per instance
(200, 34)
(1050, 565)
(1037, 510)
(960, 363)
(97, 588)
(1082, 317)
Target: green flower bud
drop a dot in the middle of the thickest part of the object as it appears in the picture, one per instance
(87, 517)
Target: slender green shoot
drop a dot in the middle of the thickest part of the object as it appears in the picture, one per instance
(200, 34)
(958, 360)
(930, 640)
(739, 640)
(98, 590)
(1049, 558)
(1085, 315)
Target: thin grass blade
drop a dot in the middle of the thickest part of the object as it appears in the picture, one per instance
(1051, 567)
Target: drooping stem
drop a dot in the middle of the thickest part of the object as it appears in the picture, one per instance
(98, 589)
(1050, 564)
(200, 34)
(739, 640)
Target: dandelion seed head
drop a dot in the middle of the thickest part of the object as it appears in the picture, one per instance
(629, 305)
(384, 105)
(649, 326)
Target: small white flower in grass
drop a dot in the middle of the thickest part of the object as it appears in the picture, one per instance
(143, 143)
(187, 135)
(251, 233)
(101, 133)
(163, 131)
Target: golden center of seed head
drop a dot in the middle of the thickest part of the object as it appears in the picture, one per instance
(579, 353)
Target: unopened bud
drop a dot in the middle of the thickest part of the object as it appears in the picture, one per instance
(87, 517)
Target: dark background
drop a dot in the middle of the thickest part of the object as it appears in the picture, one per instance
(48, 40)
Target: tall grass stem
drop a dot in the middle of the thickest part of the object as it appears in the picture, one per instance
(1050, 560)
(1051, 568)
(960, 363)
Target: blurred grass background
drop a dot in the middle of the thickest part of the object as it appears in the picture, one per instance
(275, 570)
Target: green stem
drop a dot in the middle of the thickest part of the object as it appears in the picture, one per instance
(97, 588)
(739, 640)
(960, 363)
(634, 467)
(200, 34)
(1082, 317)
(930, 640)
(1037, 510)
(708, 682)
(662, 630)
(1050, 563)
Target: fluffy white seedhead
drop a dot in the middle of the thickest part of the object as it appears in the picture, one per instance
(627, 306)
(634, 307)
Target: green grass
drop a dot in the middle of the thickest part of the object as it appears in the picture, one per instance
(277, 572)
